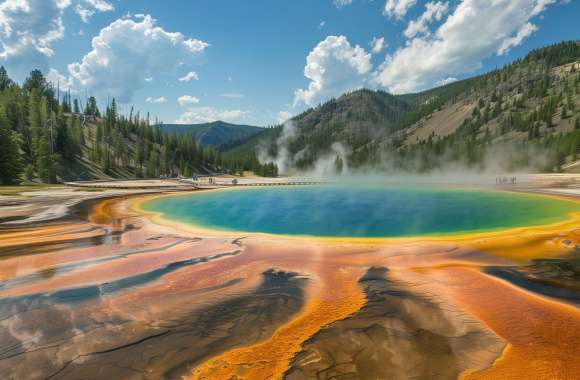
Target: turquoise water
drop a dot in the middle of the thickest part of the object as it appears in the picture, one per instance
(372, 211)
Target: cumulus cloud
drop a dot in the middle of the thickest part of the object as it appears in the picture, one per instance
(205, 114)
(524, 32)
(475, 30)
(377, 45)
(187, 100)
(128, 51)
(333, 67)
(87, 8)
(161, 99)
(192, 75)
(208, 114)
(60, 81)
(433, 11)
(398, 8)
(28, 28)
(541, 5)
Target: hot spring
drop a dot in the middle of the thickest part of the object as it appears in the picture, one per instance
(369, 211)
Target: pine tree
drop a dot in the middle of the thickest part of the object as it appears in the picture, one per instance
(91, 109)
(44, 163)
(35, 81)
(29, 172)
(34, 119)
(10, 160)
(5, 81)
(137, 160)
(151, 168)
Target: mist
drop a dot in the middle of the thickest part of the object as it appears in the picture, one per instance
(500, 160)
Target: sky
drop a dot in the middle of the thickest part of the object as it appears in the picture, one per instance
(259, 62)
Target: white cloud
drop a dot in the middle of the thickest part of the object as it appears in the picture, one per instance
(128, 51)
(321, 25)
(333, 67)
(205, 114)
(148, 79)
(475, 30)
(433, 11)
(541, 5)
(87, 8)
(342, 3)
(84, 13)
(377, 45)
(161, 99)
(192, 75)
(187, 100)
(524, 32)
(398, 8)
(445, 81)
(208, 114)
(60, 81)
(233, 95)
(28, 28)
(283, 116)
(100, 5)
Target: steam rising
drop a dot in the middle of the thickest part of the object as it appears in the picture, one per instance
(283, 159)
(335, 164)
(331, 164)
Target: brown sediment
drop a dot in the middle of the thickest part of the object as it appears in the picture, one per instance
(543, 335)
(336, 298)
(155, 299)
(397, 334)
(169, 349)
(51, 234)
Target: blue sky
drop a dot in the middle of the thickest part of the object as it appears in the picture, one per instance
(258, 62)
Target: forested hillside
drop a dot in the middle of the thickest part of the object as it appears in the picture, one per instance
(523, 116)
(50, 137)
(217, 133)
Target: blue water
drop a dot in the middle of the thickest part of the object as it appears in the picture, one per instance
(371, 211)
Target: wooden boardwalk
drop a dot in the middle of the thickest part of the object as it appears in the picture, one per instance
(181, 184)
(256, 184)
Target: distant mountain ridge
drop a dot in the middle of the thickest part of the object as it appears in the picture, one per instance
(215, 134)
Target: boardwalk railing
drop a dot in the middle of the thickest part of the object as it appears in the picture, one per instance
(254, 184)
(177, 184)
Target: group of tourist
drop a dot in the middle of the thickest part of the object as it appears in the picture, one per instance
(210, 180)
(504, 180)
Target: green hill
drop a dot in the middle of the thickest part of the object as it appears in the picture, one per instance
(523, 116)
(50, 138)
(216, 133)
